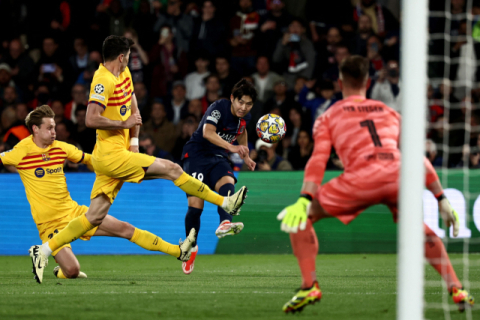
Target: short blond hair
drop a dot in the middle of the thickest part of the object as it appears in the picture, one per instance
(36, 117)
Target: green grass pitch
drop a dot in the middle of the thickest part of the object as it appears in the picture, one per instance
(243, 287)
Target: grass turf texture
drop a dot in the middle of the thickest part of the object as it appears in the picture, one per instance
(356, 286)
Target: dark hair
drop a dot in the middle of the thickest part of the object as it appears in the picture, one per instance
(244, 88)
(354, 71)
(80, 107)
(113, 46)
(212, 75)
(36, 117)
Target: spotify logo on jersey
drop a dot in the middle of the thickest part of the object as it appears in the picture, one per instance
(39, 172)
(123, 110)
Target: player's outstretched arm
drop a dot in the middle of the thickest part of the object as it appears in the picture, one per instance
(95, 120)
(210, 133)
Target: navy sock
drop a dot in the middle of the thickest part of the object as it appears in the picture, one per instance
(192, 220)
(224, 192)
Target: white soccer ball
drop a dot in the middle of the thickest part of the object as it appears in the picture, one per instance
(271, 128)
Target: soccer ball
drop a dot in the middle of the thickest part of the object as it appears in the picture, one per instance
(271, 128)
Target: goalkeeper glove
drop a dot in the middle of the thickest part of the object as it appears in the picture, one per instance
(294, 217)
(449, 215)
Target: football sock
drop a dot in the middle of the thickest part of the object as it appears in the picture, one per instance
(74, 230)
(192, 220)
(305, 248)
(60, 274)
(151, 242)
(437, 256)
(224, 192)
(198, 189)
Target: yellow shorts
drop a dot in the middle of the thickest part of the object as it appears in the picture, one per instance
(48, 230)
(115, 169)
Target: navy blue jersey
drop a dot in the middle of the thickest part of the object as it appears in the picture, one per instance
(229, 127)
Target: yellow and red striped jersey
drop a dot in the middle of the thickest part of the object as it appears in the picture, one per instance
(41, 171)
(115, 96)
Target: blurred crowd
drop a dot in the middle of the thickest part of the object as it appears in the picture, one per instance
(189, 53)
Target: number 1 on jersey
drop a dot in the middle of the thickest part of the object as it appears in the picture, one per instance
(373, 132)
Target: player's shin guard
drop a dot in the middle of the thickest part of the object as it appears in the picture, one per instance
(224, 191)
(192, 220)
(151, 242)
(437, 256)
(74, 230)
(305, 248)
(198, 189)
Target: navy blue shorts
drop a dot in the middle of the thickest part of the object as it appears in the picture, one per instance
(208, 169)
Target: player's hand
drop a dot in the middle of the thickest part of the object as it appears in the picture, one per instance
(250, 163)
(294, 217)
(449, 215)
(241, 150)
(134, 149)
(134, 120)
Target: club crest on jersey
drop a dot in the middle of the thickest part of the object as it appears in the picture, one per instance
(39, 172)
(46, 157)
(99, 88)
(124, 92)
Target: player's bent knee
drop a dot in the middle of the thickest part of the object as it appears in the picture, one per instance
(71, 272)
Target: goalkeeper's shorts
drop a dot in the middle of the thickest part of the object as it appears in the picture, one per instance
(346, 197)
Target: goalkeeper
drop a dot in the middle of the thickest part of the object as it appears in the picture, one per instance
(365, 134)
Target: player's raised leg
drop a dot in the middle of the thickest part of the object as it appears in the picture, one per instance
(164, 169)
(226, 186)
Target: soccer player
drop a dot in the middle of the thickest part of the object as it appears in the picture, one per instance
(113, 111)
(39, 160)
(365, 133)
(205, 157)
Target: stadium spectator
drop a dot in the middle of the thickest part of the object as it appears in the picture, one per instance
(242, 33)
(177, 106)
(264, 79)
(79, 97)
(114, 19)
(272, 26)
(162, 130)
(195, 109)
(5, 78)
(194, 80)
(9, 98)
(41, 96)
(295, 53)
(280, 100)
(266, 158)
(321, 15)
(432, 155)
(212, 94)
(341, 52)
(142, 23)
(142, 98)
(188, 127)
(14, 126)
(59, 110)
(227, 77)
(298, 156)
(318, 101)
(21, 64)
(383, 20)
(168, 63)
(364, 31)
(146, 142)
(138, 59)
(387, 86)
(78, 62)
(296, 121)
(85, 78)
(51, 65)
(209, 32)
(374, 54)
(326, 50)
(181, 24)
(84, 136)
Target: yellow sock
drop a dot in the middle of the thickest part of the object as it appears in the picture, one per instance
(74, 230)
(60, 274)
(198, 189)
(151, 242)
